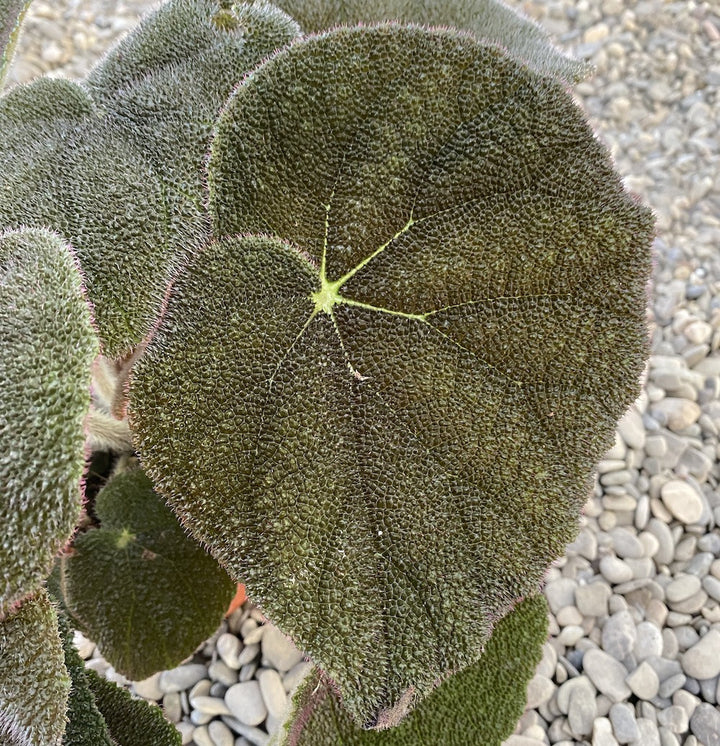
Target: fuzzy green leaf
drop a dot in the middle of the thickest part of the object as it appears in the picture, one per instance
(477, 707)
(132, 722)
(489, 20)
(139, 586)
(86, 725)
(391, 406)
(12, 13)
(165, 83)
(68, 169)
(48, 345)
(34, 683)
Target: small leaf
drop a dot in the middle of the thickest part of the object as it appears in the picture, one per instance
(12, 13)
(477, 707)
(34, 683)
(86, 725)
(48, 345)
(139, 586)
(490, 21)
(132, 722)
(165, 83)
(400, 392)
(70, 170)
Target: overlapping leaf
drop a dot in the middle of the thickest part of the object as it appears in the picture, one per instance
(48, 345)
(139, 586)
(34, 683)
(70, 170)
(12, 13)
(477, 707)
(165, 83)
(489, 20)
(391, 404)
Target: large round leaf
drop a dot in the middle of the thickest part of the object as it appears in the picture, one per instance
(48, 345)
(491, 21)
(139, 586)
(34, 683)
(384, 416)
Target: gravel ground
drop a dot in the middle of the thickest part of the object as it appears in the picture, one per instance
(634, 655)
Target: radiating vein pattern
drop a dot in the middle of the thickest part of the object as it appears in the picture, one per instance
(391, 407)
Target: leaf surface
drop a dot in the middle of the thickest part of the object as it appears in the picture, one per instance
(86, 725)
(140, 587)
(12, 13)
(48, 345)
(71, 170)
(34, 683)
(491, 21)
(392, 403)
(132, 722)
(477, 707)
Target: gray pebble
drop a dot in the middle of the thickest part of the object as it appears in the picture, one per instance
(666, 549)
(649, 735)
(559, 594)
(220, 734)
(702, 660)
(582, 711)
(592, 600)
(228, 647)
(705, 724)
(682, 500)
(181, 678)
(210, 705)
(220, 671)
(255, 736)
(619, 635)
(539, 690)
(272, 690)
(149, 688)
(670, 685)
(631, 429)
(246, 703)
(711, 585)
(644, 681)
(607, 674)
(626, 544)
(602, 733)
(674, 719)
(682, 587)
(202, 737)
(622, 717)
(279, 651)
(614, 570)
(247, 655)
(296, 674)
(648, 641)
(171, 707)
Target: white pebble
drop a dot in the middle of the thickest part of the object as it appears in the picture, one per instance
(272, 690)
(607, 674)
(246, 703)
(682, 501)
(702, 660)
(643, 681)
(278, 650)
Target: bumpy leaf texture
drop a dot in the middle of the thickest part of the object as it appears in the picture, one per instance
(477, 707)
(12, 13)
(384, 415)
(165, 83)
(67, 168)
(490, 21)
(48, 345)
(139, 586)
(132, 722)
(34, 683)
(86, 726)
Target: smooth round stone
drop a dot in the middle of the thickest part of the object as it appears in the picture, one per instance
(623, 722)
(674, 719)
(568, 616)
(582, 710)
(691, 605)
(592, 599)
(272, 690)
(632, 429)
(181, 678)
(626, 544)
(686, 700)
(172, 707)
(682, 501)
(614, 570)
(711, 585)
(246, 703)
(220, 671)
(607, 674)
(220, 734)
(229, 647)
(678, 413)
(705, 724)
(560, 593)
(643, 681)
(619, 635)
(247, 655)
(602, 733)
(565, 692)
(702, 660)
(279, 651)
(202, 737)
(666, 549)
(669, 686)
(649, 735)
(210, 705)
(149, 688)
(570, 635)
(539, 690)
(253, 735)
(682, 587)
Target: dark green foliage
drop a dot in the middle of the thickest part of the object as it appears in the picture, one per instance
(132, 722)
(11, 16)
(76, 173)
(86, 725)
(139, 586)
(477, 707)
(165, 83)
(392, 405)
(34, 683)
(489, 20)
(48, 345)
